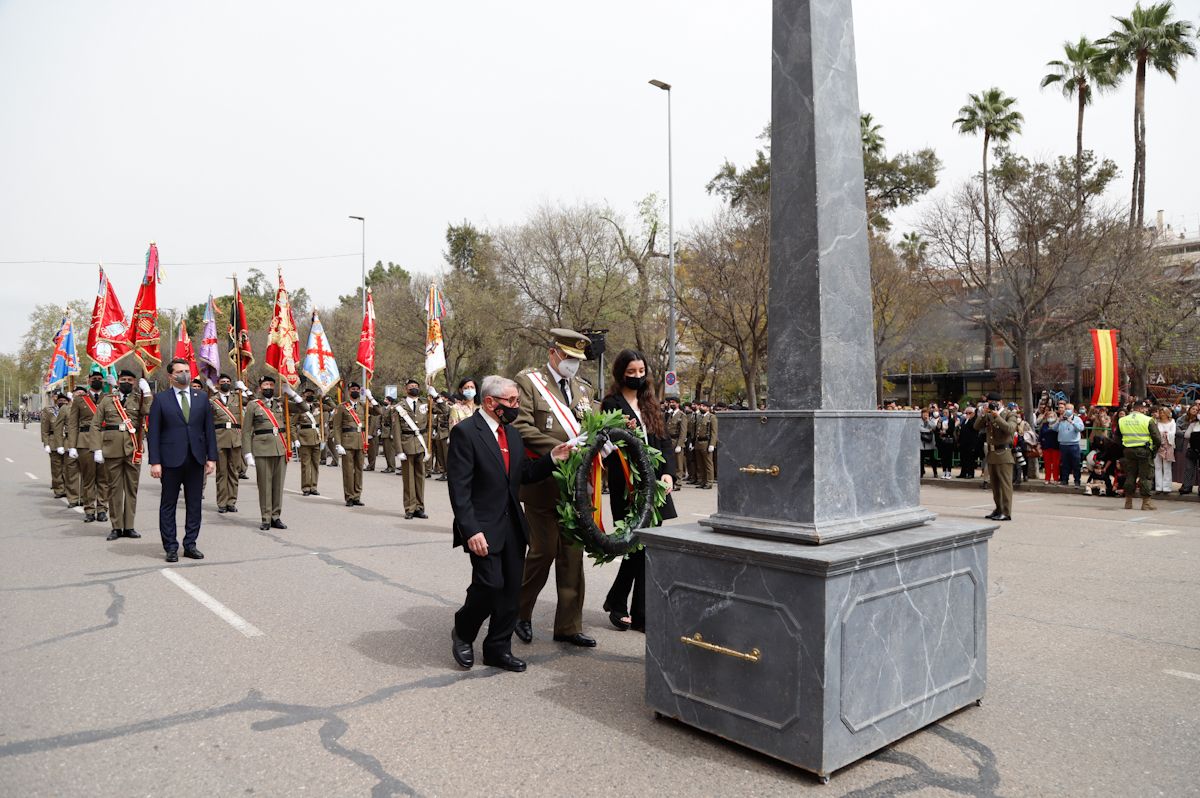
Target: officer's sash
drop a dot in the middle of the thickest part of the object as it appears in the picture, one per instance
(91, 405)
(402, 410)
(287, 450)
(362, 429)
(560, 411)
(129, 427)
(225, 409)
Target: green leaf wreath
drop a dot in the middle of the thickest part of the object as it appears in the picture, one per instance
(575, 501)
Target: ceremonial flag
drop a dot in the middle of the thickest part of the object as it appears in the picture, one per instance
(108, 335)
(209, 358)
(283, 341)
(143, 327)
(1108, 371)
(184, 351)
(64, 362)
(366, 341)
(435, 347)
(239, 334)
(319, 365)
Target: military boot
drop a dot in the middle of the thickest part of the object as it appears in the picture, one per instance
(1128, 502)
(1147, 504)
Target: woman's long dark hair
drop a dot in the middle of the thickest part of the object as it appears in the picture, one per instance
(652, 416)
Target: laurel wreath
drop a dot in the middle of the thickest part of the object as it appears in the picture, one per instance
(574, 486)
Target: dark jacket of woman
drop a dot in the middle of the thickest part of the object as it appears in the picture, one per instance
(617, 499)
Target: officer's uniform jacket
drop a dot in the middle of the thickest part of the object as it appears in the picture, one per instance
(115, 438)
(228, 425)
(82, 432)
(706, 430)
(306, 422)
(410, 442)
(677, 428)
(260, 437)
(345, 430)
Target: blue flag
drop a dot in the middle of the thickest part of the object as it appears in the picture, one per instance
(65, 360)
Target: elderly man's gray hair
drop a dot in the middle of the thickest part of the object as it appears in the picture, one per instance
(494, 385)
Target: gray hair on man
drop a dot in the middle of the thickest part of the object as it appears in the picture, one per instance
(494, 385)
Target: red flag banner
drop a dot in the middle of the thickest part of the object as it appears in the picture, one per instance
(183, 349)
(1108, 371)
(283, 341)
(143, 327)
(108, 336)
(240, 354)
(366, 341)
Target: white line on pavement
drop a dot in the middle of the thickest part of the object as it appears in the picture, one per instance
(220, 610)
(31, 476)
(9, 459)
(1183, 674)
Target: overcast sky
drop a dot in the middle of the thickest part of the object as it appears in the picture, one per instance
(248, 131)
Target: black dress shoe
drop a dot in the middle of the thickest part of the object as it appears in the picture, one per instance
(349, 502)
(172, 556)
(277, 524)
(506, 661)
(408, 516)
(993, 516)
(577, 639)
(222, 510)
(89, 518)
(101, 516)
(132, 533)
(63, 495)
(1004, 518)
(524, 630)
(114, 535)
(314, 493)
(464, 652)
(243, 476)
(419, 514)
(616, 617)
(193, 553)
(231, 509)
(358, 503)
(304, 492)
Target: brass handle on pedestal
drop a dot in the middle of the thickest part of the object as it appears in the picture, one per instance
(770, 471)
(699, 642)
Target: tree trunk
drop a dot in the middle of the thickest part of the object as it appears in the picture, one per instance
(1139, 99)
(987, 260)
(1080, 90)
(1139, 376)
(1025, 369)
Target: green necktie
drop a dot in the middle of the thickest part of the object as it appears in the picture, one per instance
(187, 405)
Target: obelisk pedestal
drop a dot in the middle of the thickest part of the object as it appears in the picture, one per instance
(821, 613)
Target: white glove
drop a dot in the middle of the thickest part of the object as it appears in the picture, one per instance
(144, 386)
(403, 457)
(98, 456)
(341, 450)
(296, 445)
(712, 449)
(61, 450)
(249, 458)
(370, 396)
(608, 449)
(322, 445)
(247, 393)
(47, 449)
(290, 391)
(432, 391)
(74, 454)
(241, 386)
(678, 449)
(428, 456)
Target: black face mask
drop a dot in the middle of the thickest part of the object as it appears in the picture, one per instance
(507, 414)
(635, 383)
(125, 388)
(223, 387)
(354, 395)
(267, 393)
(96, 384)
(414, 391)
(308, 397)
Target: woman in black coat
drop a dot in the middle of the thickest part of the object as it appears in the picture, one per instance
(632, 393)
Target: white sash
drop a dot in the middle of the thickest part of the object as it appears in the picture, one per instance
(402, 409)
(560, 411)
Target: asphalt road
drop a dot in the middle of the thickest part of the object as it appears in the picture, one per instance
(330, 672)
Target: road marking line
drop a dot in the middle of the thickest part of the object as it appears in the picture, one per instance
(220, 610)
(1180, 510)
(31, 476)
(1183, 674)
(9, 459)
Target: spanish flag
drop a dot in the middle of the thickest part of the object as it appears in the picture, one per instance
(1108, 372)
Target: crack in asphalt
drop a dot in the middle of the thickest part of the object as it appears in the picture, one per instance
(113, 613)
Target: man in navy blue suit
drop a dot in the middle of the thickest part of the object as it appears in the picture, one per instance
(183, 451)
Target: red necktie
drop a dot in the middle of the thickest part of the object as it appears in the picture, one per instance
(502, 439)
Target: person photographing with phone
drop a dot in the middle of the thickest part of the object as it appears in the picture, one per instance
(998, 427)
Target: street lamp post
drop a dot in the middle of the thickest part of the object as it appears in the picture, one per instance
(363, 254)
(672, 388)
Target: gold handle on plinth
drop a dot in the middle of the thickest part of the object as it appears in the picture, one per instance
(770, 471)
(699, 642)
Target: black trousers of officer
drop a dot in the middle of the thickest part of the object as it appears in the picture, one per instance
(494, 591)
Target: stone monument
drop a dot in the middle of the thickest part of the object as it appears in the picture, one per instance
(821, 613)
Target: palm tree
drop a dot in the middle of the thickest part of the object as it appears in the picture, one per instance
(991, 113)
(1148, 36)
(872, 136)
(1083, 70)
(912, 250)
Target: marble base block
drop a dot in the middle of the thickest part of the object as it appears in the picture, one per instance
(816, 655)
(841, 474)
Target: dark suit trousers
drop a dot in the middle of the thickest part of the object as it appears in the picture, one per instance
(189, 476)
(495, 587)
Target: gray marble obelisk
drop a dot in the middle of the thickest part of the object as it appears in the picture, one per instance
(821, 613)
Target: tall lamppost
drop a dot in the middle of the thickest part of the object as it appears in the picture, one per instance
(672, 380)
(364, 277)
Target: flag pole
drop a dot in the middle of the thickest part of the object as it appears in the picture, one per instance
(238, 362)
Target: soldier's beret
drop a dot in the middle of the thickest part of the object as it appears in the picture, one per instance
(126, 373)
(225, 377)
(355, 385)
(265, 378)
(571, 343)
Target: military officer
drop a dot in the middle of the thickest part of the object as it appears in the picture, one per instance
(553, 402)
(227, 410)
(441, 433)
(119, 416)
(1000, 426)
(71, 480)
(52, 444)
(264, 448)
(690, 448)
(371, 452)
(308, 440)
(83, 435)
(410, 421)
(677, 432)
(1139, 436)
(350, 421)
(387, 436)
(706, 444)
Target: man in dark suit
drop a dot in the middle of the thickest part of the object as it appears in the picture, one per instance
(486, 464)
(183, 451)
